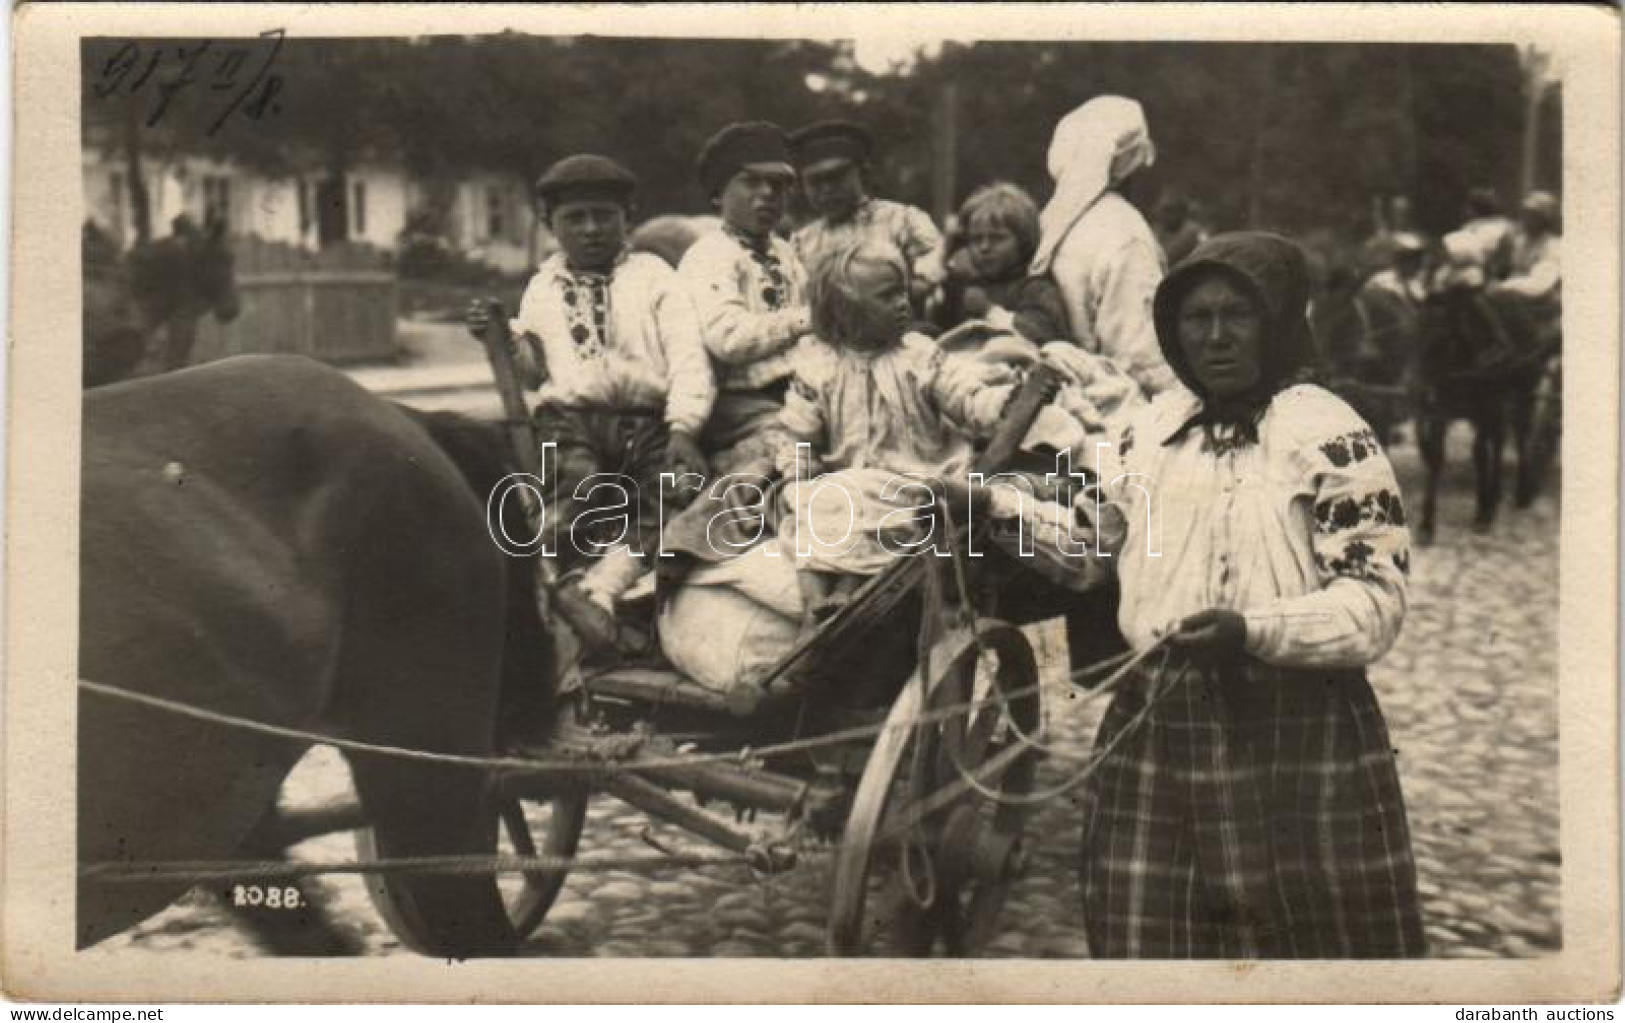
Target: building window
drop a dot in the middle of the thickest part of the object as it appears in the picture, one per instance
(358, 209)
(216, 199)
(496, 212)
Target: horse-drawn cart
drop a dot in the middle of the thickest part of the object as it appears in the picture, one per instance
(903, 758)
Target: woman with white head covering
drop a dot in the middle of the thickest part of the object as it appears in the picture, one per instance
(1097, 247)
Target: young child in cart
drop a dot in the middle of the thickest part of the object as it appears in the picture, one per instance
(834, 159)
(610, 341)
(987, 275)
(890, 418)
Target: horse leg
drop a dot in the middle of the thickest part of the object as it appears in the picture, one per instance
(1489, 437)
(307, 929)
(1521, 409)
(180, 335)
(1430, 435)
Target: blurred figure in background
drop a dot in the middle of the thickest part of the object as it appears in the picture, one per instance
(1177, 229)
(1491, 230)
(1405, 277)
(1535, 269)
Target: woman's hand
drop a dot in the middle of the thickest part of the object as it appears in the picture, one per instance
(1213, 635)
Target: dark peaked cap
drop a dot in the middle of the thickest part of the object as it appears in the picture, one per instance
(832, 140)
(740, 145)
(586, 176)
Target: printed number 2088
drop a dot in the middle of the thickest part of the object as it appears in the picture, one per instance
(271, 897)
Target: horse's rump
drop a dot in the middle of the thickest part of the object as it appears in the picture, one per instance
(262, 538)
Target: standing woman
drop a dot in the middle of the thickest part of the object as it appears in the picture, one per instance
(1096, 245)
(1254, 811)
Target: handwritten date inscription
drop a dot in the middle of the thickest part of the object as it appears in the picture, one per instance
(164, 70)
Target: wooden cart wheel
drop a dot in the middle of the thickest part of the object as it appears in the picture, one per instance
(929, 850)
(559, 821)
(527, 897)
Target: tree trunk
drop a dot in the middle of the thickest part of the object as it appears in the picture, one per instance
(1534, 92)
(946, 150)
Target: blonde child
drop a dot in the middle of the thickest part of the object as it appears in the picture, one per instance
(883, 414)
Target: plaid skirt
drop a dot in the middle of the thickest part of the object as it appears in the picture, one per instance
(1254, 812)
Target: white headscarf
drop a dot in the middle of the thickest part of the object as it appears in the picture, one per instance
(1094, 147)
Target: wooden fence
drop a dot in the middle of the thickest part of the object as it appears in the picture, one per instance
(337, 305)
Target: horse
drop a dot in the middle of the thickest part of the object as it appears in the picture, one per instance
(1368, 338)
(159, 290)
(1480, 357)
(262, 538)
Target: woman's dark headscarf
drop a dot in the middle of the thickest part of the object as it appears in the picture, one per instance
(1274, 273)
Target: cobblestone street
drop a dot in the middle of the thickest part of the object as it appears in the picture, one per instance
(1470, 693)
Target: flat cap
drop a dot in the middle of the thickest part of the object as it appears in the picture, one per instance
(586, 176)
(832, 140)
(758, 145)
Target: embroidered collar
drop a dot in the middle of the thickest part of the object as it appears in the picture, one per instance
(1225, 428)
(562, 271)
(760, 246)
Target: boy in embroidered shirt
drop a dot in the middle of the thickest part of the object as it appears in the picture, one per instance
(611, 343)
(833, 159)
(749, 289)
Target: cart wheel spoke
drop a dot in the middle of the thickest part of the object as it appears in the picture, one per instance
(933, 789)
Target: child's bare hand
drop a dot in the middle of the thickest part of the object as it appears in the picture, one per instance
(1047, 380)
(480, 315)
(683, 455)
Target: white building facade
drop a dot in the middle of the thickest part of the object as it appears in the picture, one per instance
(491, 217)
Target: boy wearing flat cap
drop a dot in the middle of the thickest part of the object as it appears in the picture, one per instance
(749, 288)
(611, 342)
(832, 158)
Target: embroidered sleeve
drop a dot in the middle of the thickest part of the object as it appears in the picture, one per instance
(1362, 554)
(735, 334)
(691, 389)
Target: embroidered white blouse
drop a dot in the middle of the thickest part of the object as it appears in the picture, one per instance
(630, 341)
(1303, 533)
(752, 309)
